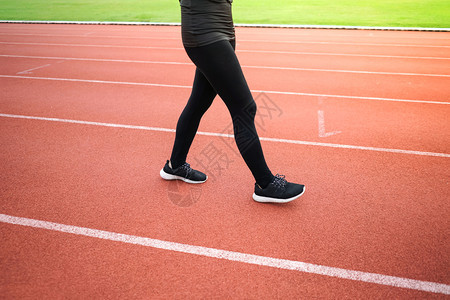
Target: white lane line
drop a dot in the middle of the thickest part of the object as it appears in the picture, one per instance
(346, 71)
(97, 59)
(275, 140)
(245, 258)
(285, 34)
(240, 40)
(238, 50)
(90, 35)
(95, 46)
(345, 43)
(343, 54)
(254, 91)
(244, 66)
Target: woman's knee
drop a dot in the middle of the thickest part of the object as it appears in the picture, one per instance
(250, 110)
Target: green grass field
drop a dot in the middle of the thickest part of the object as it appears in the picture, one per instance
(396, 13)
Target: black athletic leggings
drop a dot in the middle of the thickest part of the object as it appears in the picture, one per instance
(219, 72)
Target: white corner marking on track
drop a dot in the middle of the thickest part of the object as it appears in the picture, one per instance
(33, 69)
(321, 119)
(278, 263)
(322, 131)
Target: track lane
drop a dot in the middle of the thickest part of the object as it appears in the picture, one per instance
(256, 60)
(285, 34)
(345, 84)
(408, 126)
(104, 269)
(262, 45)
(106, 178)
(249, 37)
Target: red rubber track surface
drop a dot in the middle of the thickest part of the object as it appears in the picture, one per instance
(372, 211)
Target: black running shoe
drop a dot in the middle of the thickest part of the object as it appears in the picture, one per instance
(278, 191)
(183, 172)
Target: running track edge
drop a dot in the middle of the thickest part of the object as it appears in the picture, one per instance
(237, 25)
(278, 263)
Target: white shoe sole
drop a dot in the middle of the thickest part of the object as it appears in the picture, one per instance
(167, 176)
(263, 199)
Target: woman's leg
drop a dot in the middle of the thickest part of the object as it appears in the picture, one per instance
(219, 64)
(202, 96)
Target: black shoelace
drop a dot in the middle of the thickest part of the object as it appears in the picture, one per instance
(279, 181)
(186, 167)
